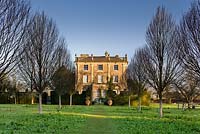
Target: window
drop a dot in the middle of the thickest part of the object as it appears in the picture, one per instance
(98, 93)
(100, 79)
(85, 67)
(100, 67)
(115, 78)
(115, 67)
(85, 79)
(103, 94)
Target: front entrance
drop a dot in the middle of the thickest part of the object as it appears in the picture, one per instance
(99, 93)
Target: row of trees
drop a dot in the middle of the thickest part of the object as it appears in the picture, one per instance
(32, 49)
(171, 57)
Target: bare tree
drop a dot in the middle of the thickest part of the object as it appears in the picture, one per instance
(61, 79)
(188, 88)
(189, 45)
(37, 63)
(189, 40)
(13, 20)
(71, 84)
(160, 61)
(136, 76)
(62, 55)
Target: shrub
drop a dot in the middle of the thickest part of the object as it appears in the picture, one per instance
(121, 99)
(145, 100)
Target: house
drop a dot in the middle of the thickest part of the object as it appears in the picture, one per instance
(95, 72)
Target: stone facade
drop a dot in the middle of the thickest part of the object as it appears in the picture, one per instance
(94, 72)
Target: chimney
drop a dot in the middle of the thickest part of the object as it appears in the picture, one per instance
(126, 57)
(92, 57)
(76, 58)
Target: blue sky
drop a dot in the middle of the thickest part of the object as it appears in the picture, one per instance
(96, 26)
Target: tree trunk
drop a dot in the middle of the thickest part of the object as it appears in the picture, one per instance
(139, 104)
(189, 105)
(32, 99)
(70, 101)
(15, 99)
(40, 103)
(129, 101)
(183, 106)
(60, 103)
(161, 108)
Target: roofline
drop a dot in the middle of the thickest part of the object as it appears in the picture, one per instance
(101, 61)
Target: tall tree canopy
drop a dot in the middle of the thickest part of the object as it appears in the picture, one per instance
(136, 76)
(63, 79)
(13, 23)
(37, 63)
(160, 61)
(189, 40)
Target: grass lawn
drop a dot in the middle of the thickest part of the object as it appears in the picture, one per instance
(23, 119)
